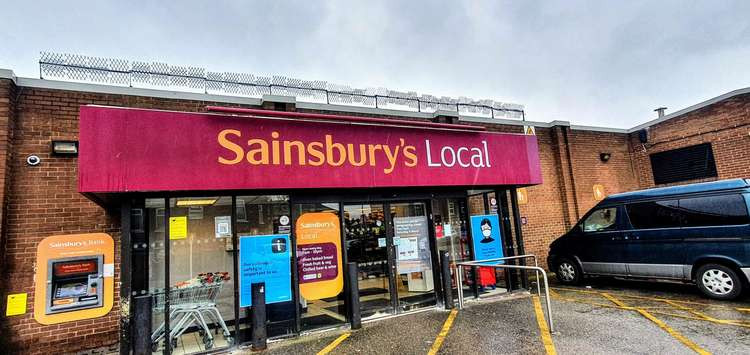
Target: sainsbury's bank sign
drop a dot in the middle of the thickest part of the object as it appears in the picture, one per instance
(124, 149)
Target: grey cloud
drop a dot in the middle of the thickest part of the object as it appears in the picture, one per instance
(605, 63)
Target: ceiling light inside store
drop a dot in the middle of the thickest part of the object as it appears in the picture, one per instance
(196, 202)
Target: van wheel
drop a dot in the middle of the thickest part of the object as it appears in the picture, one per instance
(719, 282)
(568, 272)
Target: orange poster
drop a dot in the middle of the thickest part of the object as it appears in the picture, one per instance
(74, 278)
(319, 255)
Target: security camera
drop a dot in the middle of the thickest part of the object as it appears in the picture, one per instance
(33, 160)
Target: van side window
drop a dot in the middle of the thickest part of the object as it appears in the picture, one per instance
(654, 214)
(715, 210)
(601, 220)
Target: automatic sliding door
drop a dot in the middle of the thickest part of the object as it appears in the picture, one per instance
(411, 237)
(367, 245)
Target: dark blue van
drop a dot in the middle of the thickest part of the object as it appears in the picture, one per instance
(697, 233)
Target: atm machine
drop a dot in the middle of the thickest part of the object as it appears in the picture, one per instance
(74, 283)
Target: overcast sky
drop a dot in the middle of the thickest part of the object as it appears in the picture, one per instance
(589, 62)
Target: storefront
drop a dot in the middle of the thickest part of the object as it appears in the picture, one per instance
(213, 202)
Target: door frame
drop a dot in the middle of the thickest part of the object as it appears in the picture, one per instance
(391, 248)
(434, 259)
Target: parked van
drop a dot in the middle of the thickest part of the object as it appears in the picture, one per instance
(697, 233)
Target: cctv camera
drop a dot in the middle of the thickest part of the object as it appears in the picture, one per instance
(33, 160)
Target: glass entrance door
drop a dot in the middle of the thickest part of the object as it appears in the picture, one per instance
(390, 242)
(413, 257)
(367, 244)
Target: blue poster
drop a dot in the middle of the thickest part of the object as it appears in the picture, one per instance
(485, 231)
(265, 258)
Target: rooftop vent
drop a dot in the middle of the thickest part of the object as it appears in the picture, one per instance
(660, 111)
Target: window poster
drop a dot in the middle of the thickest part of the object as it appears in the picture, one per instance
(408, 249)
(265, 258)
(223, 226)
(413, 249)
(178, 227)
(485, 232)
(319, 255)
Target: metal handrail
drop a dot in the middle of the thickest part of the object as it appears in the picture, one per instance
(483, 263)
(526, 256)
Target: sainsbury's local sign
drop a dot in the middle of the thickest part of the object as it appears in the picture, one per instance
(125, 149)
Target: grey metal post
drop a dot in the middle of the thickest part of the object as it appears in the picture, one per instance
(141, 332)
(460, 286)
(259, 316)
(445, 268)
(355, 318)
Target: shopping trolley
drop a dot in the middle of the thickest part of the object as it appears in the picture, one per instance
(188, 306)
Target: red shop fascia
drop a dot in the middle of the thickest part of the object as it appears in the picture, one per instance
(129, 156)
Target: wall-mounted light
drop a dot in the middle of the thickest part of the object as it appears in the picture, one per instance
(65, 148)
(604, 157)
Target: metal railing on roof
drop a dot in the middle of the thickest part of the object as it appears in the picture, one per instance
(120, 72)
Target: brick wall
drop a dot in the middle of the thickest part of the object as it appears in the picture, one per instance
(43, 200)
(726, 125)
(7, 116)
(615, 175)
(546, 212)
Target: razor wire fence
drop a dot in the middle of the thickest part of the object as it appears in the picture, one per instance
(155, 75)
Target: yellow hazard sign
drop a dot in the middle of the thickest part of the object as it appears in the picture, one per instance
(16, 304)
(529, 130)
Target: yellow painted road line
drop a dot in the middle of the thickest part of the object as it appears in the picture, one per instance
(658, 299)
(549, 346)
(654, 310)
(675, 334)
(706, 317)
(443, 333)
(690, 310)
(614, 300)
(334, 344)
(737, 323)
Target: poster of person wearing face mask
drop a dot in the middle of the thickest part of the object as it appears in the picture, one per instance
(485, 231)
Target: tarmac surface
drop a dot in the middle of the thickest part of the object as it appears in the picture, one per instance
(608, 316)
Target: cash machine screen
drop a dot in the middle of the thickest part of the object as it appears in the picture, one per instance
(76, 284)
(73, 268)
(71, 290)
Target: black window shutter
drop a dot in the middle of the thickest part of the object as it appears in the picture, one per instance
(689, 163)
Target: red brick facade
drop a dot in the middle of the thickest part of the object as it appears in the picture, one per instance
(725, 124)
(39, 201)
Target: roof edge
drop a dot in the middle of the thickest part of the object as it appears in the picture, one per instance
(692, 108)
(8, 74)
(183, 95)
